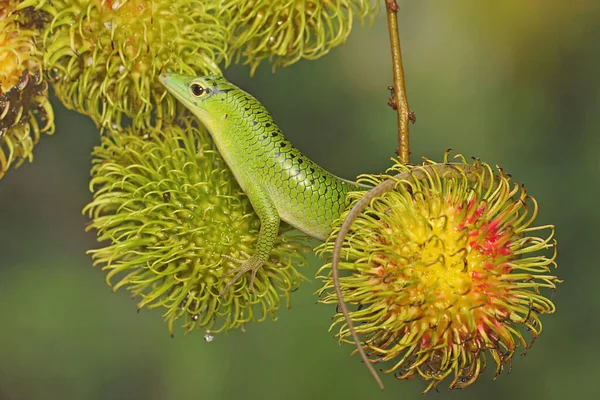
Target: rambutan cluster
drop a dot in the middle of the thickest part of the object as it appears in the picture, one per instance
(444, 267)
(103, 58)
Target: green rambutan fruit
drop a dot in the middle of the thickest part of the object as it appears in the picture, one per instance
(444, 269)
(104, 57)
(25, 111)
(285, 31)
(170, 210)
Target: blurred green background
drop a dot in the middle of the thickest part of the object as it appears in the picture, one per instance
(513, 82)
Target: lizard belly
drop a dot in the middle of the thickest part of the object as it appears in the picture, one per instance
(310, 227)
(309, 208)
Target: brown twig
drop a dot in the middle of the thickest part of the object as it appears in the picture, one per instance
(398, 101)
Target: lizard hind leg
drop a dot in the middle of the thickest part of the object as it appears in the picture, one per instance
(269, 227)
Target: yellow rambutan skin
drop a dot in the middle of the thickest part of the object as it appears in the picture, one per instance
(285, 31)
(444, 270)
(25, 111)
(104, 57)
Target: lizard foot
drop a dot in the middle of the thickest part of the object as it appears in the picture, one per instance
(250, 264)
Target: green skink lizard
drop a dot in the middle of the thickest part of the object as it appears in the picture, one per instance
(279, 181)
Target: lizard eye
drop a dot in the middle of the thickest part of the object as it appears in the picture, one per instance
(197, 89)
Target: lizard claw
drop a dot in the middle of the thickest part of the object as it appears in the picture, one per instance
(250, 264)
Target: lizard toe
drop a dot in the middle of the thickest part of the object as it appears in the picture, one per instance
(250, 264)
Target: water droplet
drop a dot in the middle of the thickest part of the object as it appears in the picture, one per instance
(195, 317)
(184, 302)
(116, 5)
(121, 69)
(208, 336)
(90, 61)
(108, 24)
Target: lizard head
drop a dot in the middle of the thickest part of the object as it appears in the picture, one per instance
(201, 95)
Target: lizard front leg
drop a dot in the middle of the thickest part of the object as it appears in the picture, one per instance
(269, 228)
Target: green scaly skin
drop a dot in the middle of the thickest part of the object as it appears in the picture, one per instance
(280, 182)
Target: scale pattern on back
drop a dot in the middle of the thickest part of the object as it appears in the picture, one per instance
(306, 196)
